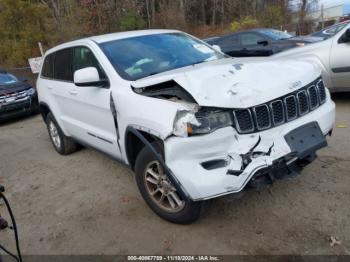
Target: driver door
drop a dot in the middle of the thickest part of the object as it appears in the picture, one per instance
(89, 107)
(340, 63)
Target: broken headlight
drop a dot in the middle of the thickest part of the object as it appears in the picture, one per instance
(203, 122)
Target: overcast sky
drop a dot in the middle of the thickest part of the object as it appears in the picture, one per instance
(328, 3)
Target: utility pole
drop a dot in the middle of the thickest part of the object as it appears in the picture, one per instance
(322, 15)
(41, 48)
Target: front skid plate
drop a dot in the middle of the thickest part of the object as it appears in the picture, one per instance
(306, 139)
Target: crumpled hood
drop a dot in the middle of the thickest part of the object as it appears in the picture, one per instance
(238, 83)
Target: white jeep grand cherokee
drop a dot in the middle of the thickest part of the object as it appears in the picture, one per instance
(191, 122)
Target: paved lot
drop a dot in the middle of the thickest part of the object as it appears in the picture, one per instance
(86, 203)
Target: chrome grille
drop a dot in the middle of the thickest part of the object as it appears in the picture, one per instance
(281, 110)
(16, 96)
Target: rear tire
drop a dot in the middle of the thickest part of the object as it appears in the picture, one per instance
(159, 193)
(62, 144)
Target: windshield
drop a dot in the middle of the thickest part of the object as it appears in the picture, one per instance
(139, 57)
(7, 79)
(331, 31)
(276, 34)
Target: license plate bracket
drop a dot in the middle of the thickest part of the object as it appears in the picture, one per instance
(306, 139)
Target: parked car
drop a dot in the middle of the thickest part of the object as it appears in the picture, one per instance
(192, 123)
(17, 97)
(259, 42)
(331, 30)
(332, 55)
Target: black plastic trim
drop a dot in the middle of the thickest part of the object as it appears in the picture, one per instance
(159, 157)
(285, 113)
(341, 70)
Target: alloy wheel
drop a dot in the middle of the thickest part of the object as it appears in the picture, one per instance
(161, 190)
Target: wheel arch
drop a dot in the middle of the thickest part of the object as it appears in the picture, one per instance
(44, 110)
(134, 144)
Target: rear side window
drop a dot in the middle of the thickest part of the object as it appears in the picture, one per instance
(83, 58)
(63, 65)
(47, 70)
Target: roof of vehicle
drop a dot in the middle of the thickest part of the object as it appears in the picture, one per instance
(260, 30)
(112, 36)
(128, 34)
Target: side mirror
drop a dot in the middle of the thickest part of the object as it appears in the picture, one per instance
(345, 37)
(217, 48)
(263, 43)
(88, 77)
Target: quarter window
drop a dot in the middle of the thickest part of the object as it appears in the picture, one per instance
(47, 70)
(63, 65)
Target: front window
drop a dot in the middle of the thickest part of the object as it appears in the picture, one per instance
(138, 57)
(7, 79)
(276, 34)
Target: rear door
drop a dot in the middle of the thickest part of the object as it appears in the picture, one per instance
(59, 86)
(340, 63)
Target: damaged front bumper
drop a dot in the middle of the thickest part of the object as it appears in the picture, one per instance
(225, 162)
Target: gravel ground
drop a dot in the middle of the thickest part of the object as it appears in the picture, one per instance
(86, 203)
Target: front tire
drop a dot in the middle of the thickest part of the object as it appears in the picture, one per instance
(160, 194)
(63, 144)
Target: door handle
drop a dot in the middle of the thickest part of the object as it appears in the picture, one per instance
(73, 92)
(49, 87)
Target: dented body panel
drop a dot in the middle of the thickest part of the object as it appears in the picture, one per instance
(238, 83)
